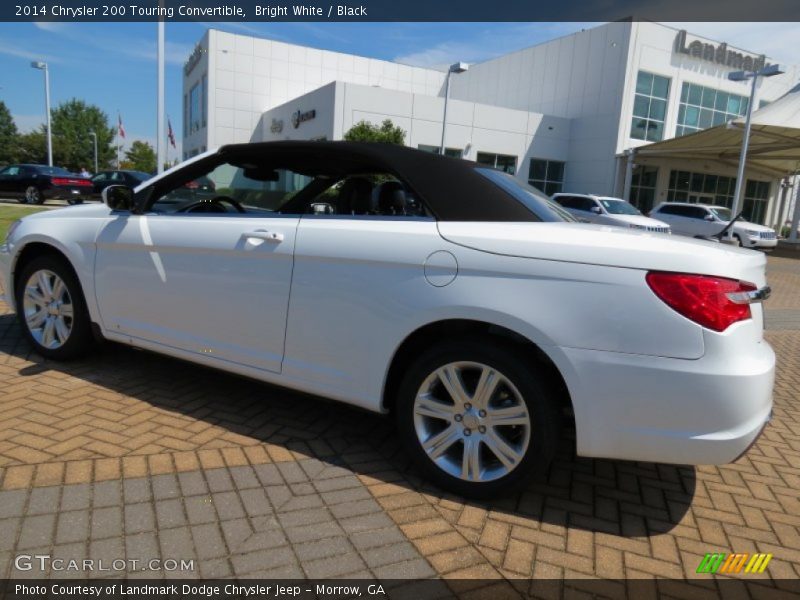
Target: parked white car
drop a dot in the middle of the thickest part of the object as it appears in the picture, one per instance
(456, 298)
(704, 220)
(606, 210)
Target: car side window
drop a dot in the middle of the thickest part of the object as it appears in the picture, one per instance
(368, 195)
(10, 171)
(698, 212)
(232, 189)
(681, 211)
(565, 201)
(100, 177)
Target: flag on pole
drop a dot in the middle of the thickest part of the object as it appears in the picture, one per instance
(170, 133)
(120, 128)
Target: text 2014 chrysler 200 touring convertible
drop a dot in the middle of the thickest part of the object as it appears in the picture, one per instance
(444, 292)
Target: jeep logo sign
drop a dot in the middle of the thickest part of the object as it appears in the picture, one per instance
(300, 116)
(720, 54)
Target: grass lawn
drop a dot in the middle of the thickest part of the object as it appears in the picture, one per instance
(9, 214)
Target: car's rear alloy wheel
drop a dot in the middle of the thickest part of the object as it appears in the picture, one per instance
(478, 420)
(472, 421)
(33, 195)
(52, 310)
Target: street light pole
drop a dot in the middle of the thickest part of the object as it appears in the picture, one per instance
(768, 71)
(458, 67)
(160, 141)
(42, 66)
(94, 138)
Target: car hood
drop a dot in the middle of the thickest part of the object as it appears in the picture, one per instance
(640, 220)
(608, 246)
(743, 225)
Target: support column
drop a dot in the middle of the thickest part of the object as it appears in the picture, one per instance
(626, 192)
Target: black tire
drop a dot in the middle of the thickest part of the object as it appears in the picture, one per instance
(80, 339)
(33, 195)
(528, 379)
(74, 201)
(738, 240)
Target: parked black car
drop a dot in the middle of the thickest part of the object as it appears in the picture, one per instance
(125, 177)
(33, 184)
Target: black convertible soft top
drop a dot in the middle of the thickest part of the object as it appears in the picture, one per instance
(451, 188)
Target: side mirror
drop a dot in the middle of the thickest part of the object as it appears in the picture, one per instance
(118, 197)
(709, 218)
(596, 210)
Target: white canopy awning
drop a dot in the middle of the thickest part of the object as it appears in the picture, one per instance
(774, 141)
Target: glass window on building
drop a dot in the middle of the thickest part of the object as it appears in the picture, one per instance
(194, 109)
(185, 115)
(649, 107)
(451, 152)
(204, 100)
(546, 175)
(756, 197)
(704, 188)
(700, 188)
(643, 187)
(702, 107)
(502, 162)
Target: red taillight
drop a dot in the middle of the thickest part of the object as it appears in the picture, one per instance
(70, 181)
(702, 298)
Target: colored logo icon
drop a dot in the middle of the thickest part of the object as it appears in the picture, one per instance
(734, 563)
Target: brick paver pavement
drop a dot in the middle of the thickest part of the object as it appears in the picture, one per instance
(127, 455)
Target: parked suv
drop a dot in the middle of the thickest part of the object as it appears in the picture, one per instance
(704, 220)
(605, 210)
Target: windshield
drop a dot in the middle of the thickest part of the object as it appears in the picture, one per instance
(618, 207)
(538, 203)
(723, 213)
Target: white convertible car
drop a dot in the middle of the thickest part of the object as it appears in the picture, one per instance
(448, 294)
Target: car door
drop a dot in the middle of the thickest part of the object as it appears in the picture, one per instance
(359, 280)
(8, 176)
(676, 215)
(697, 222)
(211, 284)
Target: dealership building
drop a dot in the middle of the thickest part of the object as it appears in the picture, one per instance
(587, 113)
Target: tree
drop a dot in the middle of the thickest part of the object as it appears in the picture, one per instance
(8, 136)
(141, 157)
(387, 133)
(31, 147)
(73, 147)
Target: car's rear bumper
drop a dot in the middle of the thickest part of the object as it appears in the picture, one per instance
(66, 192)
(644, 408)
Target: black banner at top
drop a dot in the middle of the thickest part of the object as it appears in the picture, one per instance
(398, 10)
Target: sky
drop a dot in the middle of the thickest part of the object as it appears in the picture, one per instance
(113, 65)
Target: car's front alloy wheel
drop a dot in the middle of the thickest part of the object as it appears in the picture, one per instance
(51, 308)
(476, 418)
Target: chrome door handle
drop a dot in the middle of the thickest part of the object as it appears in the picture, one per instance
(267, 236)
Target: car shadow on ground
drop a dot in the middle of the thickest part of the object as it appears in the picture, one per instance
(615, 497)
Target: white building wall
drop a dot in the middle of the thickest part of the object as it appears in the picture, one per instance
(653, 50)
(470, 126)
(580, 76)
(251, 75)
